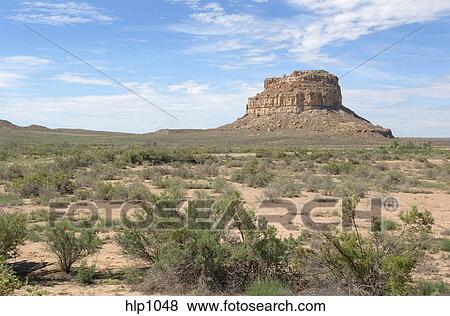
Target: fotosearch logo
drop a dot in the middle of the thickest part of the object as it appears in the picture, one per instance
(202, 214)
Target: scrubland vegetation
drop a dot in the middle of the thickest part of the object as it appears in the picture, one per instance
(251, 255)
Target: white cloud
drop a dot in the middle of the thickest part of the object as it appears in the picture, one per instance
(59, 13)
(303, 36)
(14, 70)
(189, 87)
(423, 110)
(10, 80)
(29, 61)
(77, 79)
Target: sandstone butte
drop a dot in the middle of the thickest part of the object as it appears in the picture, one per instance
(309, 101)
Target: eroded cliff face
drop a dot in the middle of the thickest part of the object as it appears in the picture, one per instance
(300, 91)
(310, 101)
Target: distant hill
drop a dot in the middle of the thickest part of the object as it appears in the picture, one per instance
(7, 124)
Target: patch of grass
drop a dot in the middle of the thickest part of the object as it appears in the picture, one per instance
(133, 276)
(433, 288)
(267, 288)
(445, 244)
(10, 199)
(36, 290)
(108, 191)
(390, 225)
(8, 280)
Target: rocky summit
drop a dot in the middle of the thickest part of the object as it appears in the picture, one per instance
(308, 100)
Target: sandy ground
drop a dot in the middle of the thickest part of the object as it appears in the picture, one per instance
(111, 263)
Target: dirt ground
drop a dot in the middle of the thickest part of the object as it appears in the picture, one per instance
(111, 263)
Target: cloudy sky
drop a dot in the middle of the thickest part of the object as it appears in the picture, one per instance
(200, 60)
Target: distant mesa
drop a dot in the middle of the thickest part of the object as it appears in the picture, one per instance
(308, 100)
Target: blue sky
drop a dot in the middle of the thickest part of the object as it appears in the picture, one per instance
(200, 60)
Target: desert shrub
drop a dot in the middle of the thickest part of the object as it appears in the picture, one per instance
(10, 199)
(83, 194)
(85, 274)
(282, 187)
(380, 264)
(8, 280)
(138, 191)
(433, 288)
(173, 191)
(219, 184)
(109, 191)
(141, 244)
(136, 156)
(105, 172)
(12, 172)
(196, 257)
(158, 180)
(351, 185)
(74, 161)
(254, 174)
(260, 179)
(267, 287)
(42, 182)
(70, 246)
(339, 167)
(445, 244)
(183, 171)
(390, 225)
(147, 173)
(313, 183)
(12, 233)
(133, 276)
(210, 169)
(390, 181)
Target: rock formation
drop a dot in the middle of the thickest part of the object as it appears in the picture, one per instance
(308, 100)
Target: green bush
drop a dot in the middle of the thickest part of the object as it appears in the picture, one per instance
(339, 167)
(282, 187)
(11, 172)
(254, 174)
(313, 183)
(85, 274)
(380, 264)
(12, 233)
(10, 199)
(445, 244)
(390, 225)
(433, 288)
(211, 260)
(8, 280)
(267, 288)
(70, 246)
(139, 192)
(109, 191)
(43, 182)
(83, 194)
(219, 184)
(133, 276)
